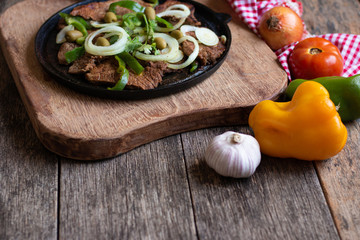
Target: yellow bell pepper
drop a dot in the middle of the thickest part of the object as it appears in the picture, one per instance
(307, 128)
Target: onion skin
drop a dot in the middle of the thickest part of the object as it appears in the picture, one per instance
(280, 26)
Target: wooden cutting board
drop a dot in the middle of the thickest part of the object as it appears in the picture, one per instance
(88, 128)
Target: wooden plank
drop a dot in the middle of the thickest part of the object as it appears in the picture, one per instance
(82, 127)
(340, 181)
(142, 194)
(339, 175)
(23, 161)
(282, 200)
(28, 172)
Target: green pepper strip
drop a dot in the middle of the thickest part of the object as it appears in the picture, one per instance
(163, 21)
(70, 20)
(74, 54)
(134, 6)
(120, 85)
(66, 16)
(154, 2)
(113, 39)
(194, 66)
(131, 62)
(86, 24)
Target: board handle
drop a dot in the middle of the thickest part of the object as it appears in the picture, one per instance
(223, 17)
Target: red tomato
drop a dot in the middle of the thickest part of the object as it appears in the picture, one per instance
(315, 57)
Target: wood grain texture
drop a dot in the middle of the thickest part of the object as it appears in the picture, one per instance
(143, 194)
(82, 127)
(137, 194)
(339, 175)
(282, 200)
(340, 180)
(28, 173)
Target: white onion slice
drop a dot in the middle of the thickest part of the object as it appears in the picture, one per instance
(206, 36)
(176, 26)
(109, 35)
(115, 48)
(172, 44)
(179, 6)
(97, 24)
(179, 56)
(182, 14)
(60, 37)
(191, 57)
(187, 28)
(165, 50)
(175, 13)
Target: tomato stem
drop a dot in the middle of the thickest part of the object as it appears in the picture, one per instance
(314, 51)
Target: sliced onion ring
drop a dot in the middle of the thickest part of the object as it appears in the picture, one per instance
(187, 28)
(176, 26)
(206, 36)
(179, 56)
(175, 13)
(179, 6)
(191, 57)
(60, 37)
(97, 24)
(113, 49)
(173, 46)
(182, 14)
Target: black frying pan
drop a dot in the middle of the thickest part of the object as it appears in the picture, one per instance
(46, 51)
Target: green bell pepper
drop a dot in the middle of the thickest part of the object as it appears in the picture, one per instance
(124, 76)
(131, 62)
(137, 8)
(78, 24)
(134, 6)
(69, 18)
(194, 65)
(344, 92)
(74, 54)
(163, 21)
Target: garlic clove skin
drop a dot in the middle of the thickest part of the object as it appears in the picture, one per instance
(233, 154)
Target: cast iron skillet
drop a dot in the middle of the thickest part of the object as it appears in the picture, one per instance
(46, 51)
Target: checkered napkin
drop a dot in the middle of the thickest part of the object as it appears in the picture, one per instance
(250, 12)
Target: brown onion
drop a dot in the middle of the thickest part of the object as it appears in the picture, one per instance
(280, 26)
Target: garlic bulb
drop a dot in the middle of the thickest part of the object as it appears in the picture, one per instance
(233, 154)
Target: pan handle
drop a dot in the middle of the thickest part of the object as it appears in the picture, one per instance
(223, 17)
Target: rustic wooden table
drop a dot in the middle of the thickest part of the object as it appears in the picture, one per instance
(164, 190)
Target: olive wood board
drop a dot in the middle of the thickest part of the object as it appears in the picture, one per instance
(83, 127)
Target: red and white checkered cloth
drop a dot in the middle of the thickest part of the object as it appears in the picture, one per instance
(250, 12)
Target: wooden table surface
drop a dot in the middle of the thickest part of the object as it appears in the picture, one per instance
(165, 190)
